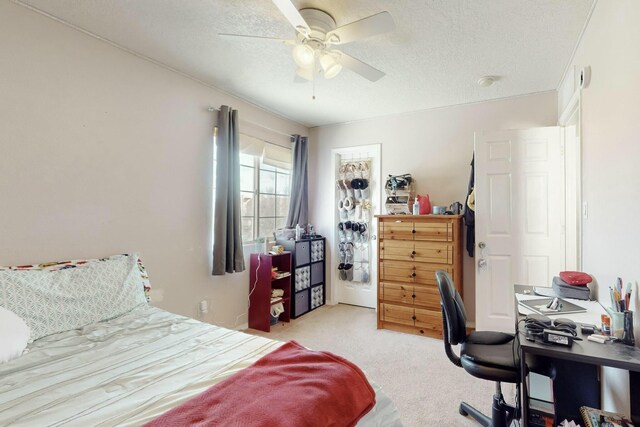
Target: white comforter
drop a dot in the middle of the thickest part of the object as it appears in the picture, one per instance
(130, 370)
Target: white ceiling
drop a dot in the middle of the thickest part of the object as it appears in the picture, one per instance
(434, 58)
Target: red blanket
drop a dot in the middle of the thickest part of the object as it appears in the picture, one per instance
(291, 386)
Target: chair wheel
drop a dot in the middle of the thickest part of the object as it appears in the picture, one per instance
(463, 412)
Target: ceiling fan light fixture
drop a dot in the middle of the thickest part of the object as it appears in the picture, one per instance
(330, 65)
(303, 55)
(305, 72)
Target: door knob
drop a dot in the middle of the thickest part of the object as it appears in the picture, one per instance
(482, 263)
(482, 245)
(373, 237)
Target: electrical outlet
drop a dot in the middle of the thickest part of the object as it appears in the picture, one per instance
(204, 307)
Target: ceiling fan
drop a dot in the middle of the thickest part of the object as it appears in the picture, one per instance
(317, 35)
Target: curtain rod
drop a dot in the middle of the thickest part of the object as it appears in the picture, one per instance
(212, 109)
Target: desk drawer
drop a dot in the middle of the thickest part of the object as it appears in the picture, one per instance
(396, 230)
(397, 271)
(441, 253)
(428, 319)
(426, 273)
(393, 292)
(427, 297)
(433, 231)
(397, 250)
(397, 314)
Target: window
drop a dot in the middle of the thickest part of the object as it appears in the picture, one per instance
(264, 193)
(264, 196)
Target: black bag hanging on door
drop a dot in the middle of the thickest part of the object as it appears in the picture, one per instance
(469, 215)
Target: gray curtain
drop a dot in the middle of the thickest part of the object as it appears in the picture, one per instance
(299, 201)
(227, 226)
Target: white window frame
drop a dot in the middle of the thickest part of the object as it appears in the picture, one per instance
(257, 163)
(257, 168)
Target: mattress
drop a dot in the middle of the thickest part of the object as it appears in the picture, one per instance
(131, 369)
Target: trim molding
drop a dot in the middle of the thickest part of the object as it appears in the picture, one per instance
(575, 49)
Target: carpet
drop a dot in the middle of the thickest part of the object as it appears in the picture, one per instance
(413, 370)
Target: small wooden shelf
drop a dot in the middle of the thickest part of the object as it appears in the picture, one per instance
(281, 300)
(260, 303)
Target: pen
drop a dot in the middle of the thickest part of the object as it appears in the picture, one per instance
(613, 300)
(616, 299)
(628, 295)
(620, 286)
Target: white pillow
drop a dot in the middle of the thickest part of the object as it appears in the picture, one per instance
(14, 335)
(63, 300)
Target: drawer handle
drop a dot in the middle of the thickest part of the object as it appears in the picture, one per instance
(413, 296)
(438, 251)
(413, 231)
(413, 253)
(413, 274)
(413, 317)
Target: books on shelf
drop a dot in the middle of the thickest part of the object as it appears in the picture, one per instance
(597, 418)
(281, 274)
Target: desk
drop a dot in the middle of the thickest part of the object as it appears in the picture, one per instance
(616, 355)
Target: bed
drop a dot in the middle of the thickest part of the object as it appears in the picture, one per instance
(131, 369)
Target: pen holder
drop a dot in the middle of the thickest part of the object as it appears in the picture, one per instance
(617, 323)
(627, 336)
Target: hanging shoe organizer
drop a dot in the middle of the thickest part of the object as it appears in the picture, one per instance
(354, 229)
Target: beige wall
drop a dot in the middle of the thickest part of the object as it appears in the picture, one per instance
(102, 152)
(435, 146)
(610, 156)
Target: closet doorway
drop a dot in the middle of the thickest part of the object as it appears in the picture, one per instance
(354, 263)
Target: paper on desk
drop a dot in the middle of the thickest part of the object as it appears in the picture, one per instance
(545, 292)
(591, 316)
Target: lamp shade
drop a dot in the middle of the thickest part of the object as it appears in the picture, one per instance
(303, 55)
(330, 65)
(305, 72)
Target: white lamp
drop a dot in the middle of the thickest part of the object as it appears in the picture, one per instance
(303, 55)
(330, 65)
(305, 72)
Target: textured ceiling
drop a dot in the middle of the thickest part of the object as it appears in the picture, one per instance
(433, 59)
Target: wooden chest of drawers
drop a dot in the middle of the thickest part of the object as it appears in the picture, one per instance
(411, 248)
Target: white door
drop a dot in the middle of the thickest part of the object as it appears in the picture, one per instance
(357, 291)
(519, 196)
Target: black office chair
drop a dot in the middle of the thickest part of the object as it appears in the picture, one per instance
(488, 355)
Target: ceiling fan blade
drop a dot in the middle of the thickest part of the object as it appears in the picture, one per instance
(246, 36)
(290, 12)
(366, 27)
(359, 67)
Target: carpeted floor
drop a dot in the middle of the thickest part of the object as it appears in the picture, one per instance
(413, 370)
